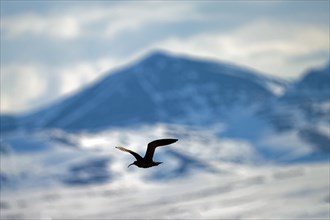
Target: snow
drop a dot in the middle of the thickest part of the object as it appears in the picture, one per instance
(264, 193)
(203, 176)
(276, 88)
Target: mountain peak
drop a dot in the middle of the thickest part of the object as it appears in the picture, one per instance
(158, 54)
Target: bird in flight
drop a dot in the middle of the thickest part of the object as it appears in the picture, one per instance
(146, 161)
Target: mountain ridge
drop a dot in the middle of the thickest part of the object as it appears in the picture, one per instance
(149, 79)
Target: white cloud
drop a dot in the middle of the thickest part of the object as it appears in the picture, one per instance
(77, 22)
(65, 27)
(21, 86)
(81, 74)
(134, 16)
(60, 27)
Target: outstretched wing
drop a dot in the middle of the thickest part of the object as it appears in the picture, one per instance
(136, 155)
(152, 146)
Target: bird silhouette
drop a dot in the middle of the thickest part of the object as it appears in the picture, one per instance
(146, 161)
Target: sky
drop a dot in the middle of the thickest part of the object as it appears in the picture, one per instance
(50, 49)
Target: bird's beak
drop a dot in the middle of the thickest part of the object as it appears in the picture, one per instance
(130, 165)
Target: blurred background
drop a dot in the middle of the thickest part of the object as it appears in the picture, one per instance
(243, 85)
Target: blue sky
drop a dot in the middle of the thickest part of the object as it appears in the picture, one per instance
(50, 49)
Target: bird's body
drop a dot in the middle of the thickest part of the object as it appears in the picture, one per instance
(146, 161)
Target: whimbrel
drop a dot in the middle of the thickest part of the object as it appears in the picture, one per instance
(146, 161)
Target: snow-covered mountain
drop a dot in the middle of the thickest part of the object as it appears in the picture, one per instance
(159, 88)
(237, 130)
